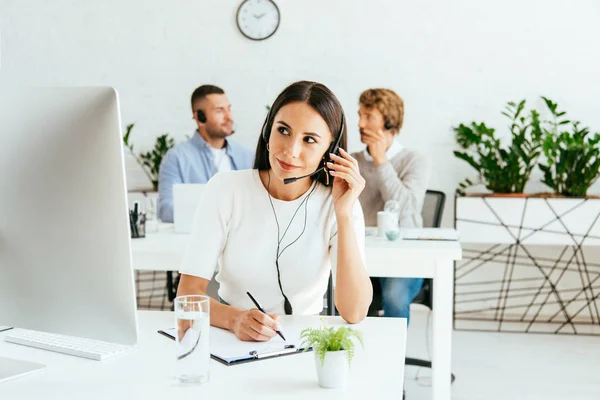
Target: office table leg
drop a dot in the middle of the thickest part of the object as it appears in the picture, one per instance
(443, 288)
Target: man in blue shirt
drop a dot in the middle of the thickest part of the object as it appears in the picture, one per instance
(206, 153)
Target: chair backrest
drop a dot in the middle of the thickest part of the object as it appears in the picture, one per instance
(433, 208)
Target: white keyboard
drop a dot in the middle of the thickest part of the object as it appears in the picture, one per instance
(75, 346)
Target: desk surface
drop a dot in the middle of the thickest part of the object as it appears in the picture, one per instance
(148, 372)
(163, 251)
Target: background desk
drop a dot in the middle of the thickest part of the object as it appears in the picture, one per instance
(148, 372)
(163, 251)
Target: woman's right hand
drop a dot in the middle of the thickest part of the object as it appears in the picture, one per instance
(255, 326)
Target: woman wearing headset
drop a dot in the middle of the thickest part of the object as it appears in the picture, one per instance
(278, 239)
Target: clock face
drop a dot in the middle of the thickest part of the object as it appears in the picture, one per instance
(258, 19)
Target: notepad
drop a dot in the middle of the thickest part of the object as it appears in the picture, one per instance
(429, 234)
(226, 348)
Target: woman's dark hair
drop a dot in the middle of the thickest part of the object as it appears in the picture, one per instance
(322, 100)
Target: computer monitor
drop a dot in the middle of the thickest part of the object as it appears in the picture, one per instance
(65, 257)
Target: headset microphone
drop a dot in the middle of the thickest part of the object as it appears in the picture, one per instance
(292, 180)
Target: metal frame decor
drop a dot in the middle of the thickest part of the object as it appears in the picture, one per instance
(530, 264)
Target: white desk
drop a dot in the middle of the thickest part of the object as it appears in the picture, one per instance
(163, 251)
(148, 372)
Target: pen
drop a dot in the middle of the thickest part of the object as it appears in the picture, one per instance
(261, 310)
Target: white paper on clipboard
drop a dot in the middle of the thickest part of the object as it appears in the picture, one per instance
(226, 346)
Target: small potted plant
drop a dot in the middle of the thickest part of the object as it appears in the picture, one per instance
(334, 350)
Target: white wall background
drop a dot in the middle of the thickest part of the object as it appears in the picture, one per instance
(451, 61)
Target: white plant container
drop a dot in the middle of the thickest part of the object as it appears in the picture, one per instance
(530, 264)
(333, 372)
(531, 220)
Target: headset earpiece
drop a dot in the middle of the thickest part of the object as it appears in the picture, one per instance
(335, 146)
(201, 116)
(388, 125)
(266, 132)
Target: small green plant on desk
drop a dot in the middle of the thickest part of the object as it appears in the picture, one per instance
(334, 350)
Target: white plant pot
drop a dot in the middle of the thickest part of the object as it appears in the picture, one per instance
(333, 372)
(535, 221)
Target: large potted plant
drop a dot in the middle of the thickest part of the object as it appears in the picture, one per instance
(333, 349)
(572, 155)
(150, 160)
(524, 266)
(502, 169)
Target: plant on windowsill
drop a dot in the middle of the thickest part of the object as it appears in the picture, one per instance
(334, 350)
(150, 161)
(504, 170)
(572, 156)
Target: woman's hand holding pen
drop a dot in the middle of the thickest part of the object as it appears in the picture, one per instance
(253, 325)
(348, 182)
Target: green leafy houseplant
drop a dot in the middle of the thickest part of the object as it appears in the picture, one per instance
(150, 161)
(572, 157)
(502, 169)
(326, 339)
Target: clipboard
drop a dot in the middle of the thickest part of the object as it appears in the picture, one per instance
(252, 355)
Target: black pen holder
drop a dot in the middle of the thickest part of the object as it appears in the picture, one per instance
(137, 224)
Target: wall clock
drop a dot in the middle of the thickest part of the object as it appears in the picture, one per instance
(258, 19)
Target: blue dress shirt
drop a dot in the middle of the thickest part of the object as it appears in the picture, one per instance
(193, 162)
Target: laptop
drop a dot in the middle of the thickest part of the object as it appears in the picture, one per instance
(186, 197)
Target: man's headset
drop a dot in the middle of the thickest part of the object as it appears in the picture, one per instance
(201, 116)
(388, 125)
(334, 148)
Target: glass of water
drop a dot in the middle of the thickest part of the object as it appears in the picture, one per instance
(192, 321)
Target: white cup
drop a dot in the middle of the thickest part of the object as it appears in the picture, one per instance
(386, 221)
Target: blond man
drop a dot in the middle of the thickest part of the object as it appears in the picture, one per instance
(392, 172)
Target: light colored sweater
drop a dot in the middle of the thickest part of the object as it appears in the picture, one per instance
(235, 226)
(404, 178)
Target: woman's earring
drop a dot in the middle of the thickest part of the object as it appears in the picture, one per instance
(268, 147)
